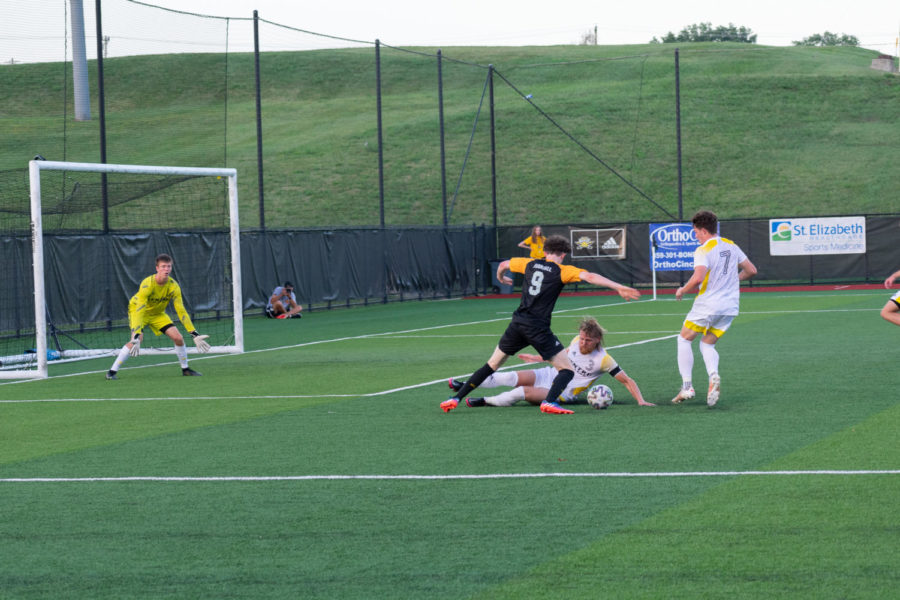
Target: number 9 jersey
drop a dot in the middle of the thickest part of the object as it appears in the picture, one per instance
(544, 280)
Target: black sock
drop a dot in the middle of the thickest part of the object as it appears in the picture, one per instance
(475, 380)
(560, 382)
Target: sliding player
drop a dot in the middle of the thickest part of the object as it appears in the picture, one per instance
(530, 323)
(588, 357)
(719, 268)
(147, 308)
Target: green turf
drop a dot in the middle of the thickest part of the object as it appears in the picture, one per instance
(806, 386)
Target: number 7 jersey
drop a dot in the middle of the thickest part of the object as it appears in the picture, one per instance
(544, 280)
(720, 290)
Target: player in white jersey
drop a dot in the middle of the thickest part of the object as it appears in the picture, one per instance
(590, 361)
(891, 310)
(719, 267)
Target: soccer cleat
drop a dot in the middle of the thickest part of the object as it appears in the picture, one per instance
(683, 394)
(552, 408)
(282, 316)
(450, 404)
(111, 374)
(187, 372)
(475, 402)
(455, 384)
(715, 382)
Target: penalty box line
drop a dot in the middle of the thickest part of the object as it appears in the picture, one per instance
(288, 478)
(305, 396)
(318, 342)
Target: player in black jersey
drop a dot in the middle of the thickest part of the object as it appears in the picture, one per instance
(530, 324)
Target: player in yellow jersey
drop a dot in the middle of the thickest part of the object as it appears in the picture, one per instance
(719, 267)
(147, 308)
(530, 323)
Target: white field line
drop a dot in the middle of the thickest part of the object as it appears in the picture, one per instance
(419, 330)
(746, 312)
(276, 478)
(301, 397)
(315, 343)
(494, 335)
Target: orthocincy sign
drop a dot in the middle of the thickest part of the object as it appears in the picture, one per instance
(675, 244)
(823, 235)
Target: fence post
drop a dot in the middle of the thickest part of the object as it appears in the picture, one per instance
(678, 132)
(493, 147)
(383, 231)
(380, 130)
(259, 140)
(101, 95)
(441, 119)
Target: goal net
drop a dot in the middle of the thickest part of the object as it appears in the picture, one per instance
(77, 240)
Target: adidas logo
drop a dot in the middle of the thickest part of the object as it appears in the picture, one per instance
(610, 244)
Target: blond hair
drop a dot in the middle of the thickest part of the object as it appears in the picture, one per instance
(591, 327)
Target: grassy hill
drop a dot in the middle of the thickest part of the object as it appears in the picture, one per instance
(765, 131)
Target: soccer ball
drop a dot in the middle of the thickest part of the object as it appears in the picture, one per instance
(600, 397)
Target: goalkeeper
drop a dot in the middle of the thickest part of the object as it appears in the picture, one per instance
(147, 308)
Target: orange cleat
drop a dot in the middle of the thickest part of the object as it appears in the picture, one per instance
(552, 408)
(448, 405)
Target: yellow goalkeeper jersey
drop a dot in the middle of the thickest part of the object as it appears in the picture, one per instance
(151, 301)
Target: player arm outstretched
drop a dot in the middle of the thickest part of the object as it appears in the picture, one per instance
(199, 340)
(633, 388)
(502, 277)
(623, 290)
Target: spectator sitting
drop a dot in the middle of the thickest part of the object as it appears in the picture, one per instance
(283, 303)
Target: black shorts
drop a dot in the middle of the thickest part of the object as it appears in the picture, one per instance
(270, 312)
(520, 334)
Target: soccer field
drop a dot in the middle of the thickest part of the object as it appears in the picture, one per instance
(318, 464)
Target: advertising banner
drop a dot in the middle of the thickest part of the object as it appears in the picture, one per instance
(674, 244)
(598, 243)
(817, 235)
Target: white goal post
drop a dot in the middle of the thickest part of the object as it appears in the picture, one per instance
(39, 361)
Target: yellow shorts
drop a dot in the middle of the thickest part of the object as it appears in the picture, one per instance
(156, 323)
(715, 324)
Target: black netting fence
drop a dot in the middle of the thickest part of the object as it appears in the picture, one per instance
(326, 131)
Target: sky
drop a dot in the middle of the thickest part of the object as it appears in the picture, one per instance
(34, 30)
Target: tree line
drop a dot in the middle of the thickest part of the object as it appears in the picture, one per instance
(705, 32)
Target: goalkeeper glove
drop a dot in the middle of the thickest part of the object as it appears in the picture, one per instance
(200, 342)
(135, 345)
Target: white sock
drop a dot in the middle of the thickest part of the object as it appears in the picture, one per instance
(685, 361)
(498, 379)
(121, 358)
(181, 353)
(506, 398)
(710, 357)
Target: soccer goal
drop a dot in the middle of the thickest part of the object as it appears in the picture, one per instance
(71, 260)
